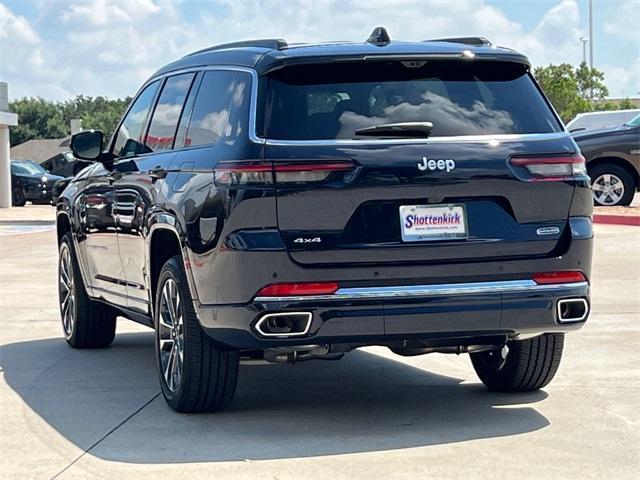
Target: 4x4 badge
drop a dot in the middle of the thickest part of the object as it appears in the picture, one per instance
(308, 240)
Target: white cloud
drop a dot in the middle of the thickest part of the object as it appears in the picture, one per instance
(623, 81)
(16, 27)
(555, 39)
(625, 22)
(104, 12)
(109, 47)
(23, 56)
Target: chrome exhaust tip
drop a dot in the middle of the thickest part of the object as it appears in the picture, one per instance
(572, 310)
(284, 324)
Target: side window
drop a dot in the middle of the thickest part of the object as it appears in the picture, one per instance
(166, 115)
(129, 137)
(210, 120)
(181, 134)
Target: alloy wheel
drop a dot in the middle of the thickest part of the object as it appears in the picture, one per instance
(608, 189)
(171, 335)
(67, 292)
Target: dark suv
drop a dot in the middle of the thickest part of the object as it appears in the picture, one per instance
(288, 203)
(613, 162)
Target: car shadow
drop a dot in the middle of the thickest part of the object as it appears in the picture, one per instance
(362, 403)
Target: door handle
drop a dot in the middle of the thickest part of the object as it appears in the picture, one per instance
(157, 172)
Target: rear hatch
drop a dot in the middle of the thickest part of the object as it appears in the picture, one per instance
(491, 179)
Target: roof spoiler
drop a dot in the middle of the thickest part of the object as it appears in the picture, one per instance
(474, 41)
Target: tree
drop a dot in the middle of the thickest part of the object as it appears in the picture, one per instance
(97, 113)
(573, 90)
(626, 104)
(591, 82)
(39, 118)
(560, 85)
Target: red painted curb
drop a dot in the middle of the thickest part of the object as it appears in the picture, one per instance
(633, 220)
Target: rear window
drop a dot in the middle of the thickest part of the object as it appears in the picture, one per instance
(323, 102)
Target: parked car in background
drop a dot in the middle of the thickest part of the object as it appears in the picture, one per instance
(31, 182)
(613, 162)
(598, 120)
(64, 164)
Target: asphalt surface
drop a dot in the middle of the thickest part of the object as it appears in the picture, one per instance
(78, 414)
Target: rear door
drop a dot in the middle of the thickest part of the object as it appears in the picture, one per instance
(141, 180)
(105, 273)
(494, 179)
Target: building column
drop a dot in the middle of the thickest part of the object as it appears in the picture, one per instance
(5, 168)
(7, 120)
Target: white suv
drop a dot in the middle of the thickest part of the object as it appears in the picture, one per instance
(597, 120)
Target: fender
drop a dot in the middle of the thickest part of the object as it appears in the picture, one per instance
(167, 221)
(64, 210)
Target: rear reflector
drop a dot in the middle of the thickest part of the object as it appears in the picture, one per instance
(298, 289)
(547, 278)
(551, 168)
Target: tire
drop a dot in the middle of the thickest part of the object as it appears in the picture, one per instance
(529, 364)
(617, 179)
(17, 197)
(85, 322)
(195, 374)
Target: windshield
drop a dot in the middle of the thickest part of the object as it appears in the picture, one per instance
(27, 168)
(333, 101)
(634, 122)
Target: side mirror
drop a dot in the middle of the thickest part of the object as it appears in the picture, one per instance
(87, 145)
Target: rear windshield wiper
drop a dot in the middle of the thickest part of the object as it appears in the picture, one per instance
(406, 129)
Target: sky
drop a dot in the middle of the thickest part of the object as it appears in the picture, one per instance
(57, 49)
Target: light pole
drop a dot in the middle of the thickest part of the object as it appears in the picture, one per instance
(7, 119)
(584, 49)
(591, 40)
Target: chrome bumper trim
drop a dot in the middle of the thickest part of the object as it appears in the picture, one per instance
(506, 286)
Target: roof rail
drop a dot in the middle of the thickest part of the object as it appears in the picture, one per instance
(270, 43)
(475, 41)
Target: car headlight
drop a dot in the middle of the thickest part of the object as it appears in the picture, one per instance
(44, 179)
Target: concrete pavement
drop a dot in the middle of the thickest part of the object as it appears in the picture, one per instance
(75, 414)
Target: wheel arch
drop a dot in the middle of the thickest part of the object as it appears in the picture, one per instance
(63, 225)
(164, 242)
(618, 161)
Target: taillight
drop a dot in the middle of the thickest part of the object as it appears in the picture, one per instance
(298, 289)
(287, 173)
(309, 172)
(549, 168)
(244, 174)
(568, 276)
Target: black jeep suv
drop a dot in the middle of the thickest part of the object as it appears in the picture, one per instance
(292, 202)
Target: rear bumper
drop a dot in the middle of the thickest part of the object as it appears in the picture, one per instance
(379, 315)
